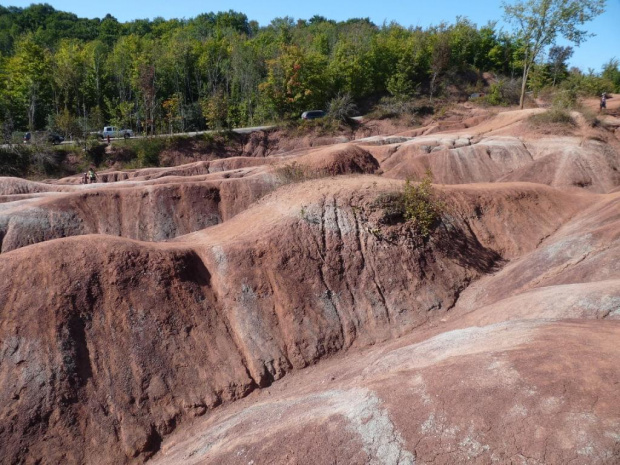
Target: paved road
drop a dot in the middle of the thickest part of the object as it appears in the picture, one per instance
(211, 131)
(196, 133)
(193, 134)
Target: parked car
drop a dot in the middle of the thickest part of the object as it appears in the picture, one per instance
(113, 131)
(54, 138)
(43, 137)
(313, 114)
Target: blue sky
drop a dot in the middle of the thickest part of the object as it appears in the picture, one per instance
(592, 54)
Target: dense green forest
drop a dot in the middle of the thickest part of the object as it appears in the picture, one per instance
(74, 75)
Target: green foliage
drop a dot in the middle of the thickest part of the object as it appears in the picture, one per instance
(295, 82)
(539, 77)
(563, 98)
(45, 160)
(540, 22)
(589, 84)
(27, 85)
(611, 72)
(6, 127)
(503, 92)
(555, 115)
(341, 108)
(172, 112)
(31, 160)
(417, 204)
(394, 107)
(68, 125)
(148, 150)
(220, 70)
(495, 97)
(421, 206)
(215, 110)
(95, 152)
(557, 62)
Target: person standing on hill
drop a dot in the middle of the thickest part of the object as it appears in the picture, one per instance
(603, 101)
(92, 176)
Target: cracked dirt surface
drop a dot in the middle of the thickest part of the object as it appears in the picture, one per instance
(212, 313)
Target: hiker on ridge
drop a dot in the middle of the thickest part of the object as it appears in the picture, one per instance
(92, 176)
(603, 101)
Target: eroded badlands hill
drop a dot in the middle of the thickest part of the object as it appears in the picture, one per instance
(216, 313)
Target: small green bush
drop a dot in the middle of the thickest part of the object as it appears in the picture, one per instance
(504, 92)
(494, 97)
(394, 107)
(148, 149)
(215, 140)
(567, 99)
(553, 116)
(422, 208)
(341, 108)
(417, 205)
(177, 142)
(318, 127)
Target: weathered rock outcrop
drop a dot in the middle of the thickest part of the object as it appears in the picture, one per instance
(122, 340)
(151, 213)
(519, 392)
(184, 289)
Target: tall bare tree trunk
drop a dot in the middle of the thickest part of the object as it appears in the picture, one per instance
(433, 86)
(32, 107)
(526, 70)
(522, 99)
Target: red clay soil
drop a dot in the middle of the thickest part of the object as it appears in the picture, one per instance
(519, 392)
(217, 313)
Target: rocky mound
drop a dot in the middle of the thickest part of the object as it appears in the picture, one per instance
(339, 159)
(152, 212)
(159, 203)
(17, 186)
(187, 170)
(504, 149)
(565, 163)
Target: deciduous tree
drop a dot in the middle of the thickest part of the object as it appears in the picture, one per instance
(540, 22)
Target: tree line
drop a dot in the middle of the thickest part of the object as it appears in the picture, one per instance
(74, 75)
